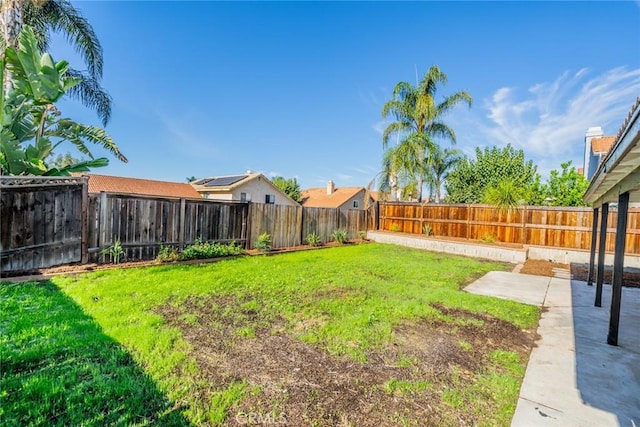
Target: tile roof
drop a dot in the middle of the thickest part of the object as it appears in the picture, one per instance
(147, 187)
(318, 197)
(603, 144)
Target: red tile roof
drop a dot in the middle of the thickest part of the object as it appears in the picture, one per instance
(147, 187)
(318, 197)
(603, 144)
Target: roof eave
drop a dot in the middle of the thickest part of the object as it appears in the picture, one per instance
(618, 172)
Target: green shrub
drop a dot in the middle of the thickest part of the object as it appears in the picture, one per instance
(341, 235)
(115, 251)
(394, 227)
(427, 229)
(313, 239)
(263, 243)
(488, 238)
(203, 250)
(167, 254)
(362, 234)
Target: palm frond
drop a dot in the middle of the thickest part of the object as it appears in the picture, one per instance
(453, 100)
(89, 92)
(63, 17)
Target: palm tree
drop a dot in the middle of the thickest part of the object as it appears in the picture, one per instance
(398, 169)
(438, 165)
(418, 118)
(46, 16)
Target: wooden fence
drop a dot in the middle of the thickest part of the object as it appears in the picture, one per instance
(290, 225)
(143, 224)
(53, 221)
(41, 222)
(561, 227)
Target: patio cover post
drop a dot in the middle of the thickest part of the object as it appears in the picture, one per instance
(618, 267)
(603, 241)
(594, 242)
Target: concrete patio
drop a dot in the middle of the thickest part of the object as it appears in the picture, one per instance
(573, 377)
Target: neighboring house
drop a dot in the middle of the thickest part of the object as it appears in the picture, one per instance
(250, 187)
(596, 147)
(143, 187)
(331, 197)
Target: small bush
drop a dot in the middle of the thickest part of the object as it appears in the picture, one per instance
(263, 243)
(313, 239)
(395, 227)
(362, 234)
(167, 254)
(116, 251)
(202, 250)
(488, 238)
(341, 235)
(427, 229)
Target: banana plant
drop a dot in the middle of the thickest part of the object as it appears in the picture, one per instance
(32, 126)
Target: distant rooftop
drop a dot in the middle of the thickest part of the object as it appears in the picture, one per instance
(147, 187)
(602, 144)
(222, 181)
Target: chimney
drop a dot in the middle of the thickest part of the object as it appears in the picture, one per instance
(590, 161)
(331, 187)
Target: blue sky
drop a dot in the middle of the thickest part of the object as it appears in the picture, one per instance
(296, 88)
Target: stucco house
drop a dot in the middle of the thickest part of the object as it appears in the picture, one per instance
(344, 198)
(143, 187)
(250, 187)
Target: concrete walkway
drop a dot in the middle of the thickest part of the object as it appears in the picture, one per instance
(573, 377)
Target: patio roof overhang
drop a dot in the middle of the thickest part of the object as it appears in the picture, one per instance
(620, 171)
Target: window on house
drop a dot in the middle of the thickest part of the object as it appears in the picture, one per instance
(270, 199)
(243, 197)
(356, 204)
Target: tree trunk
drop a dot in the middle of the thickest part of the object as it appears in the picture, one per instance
(393, 185)
(437, 189)
(419, 189)
(11, 24)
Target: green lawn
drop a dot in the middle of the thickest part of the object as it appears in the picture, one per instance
(98, 349)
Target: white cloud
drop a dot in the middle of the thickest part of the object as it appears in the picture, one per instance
(549, 121)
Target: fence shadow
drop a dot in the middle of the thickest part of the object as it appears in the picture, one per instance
(607, 377)
(59, 368)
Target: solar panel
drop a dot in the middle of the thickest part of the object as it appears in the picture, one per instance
(225, 180)
(201, 181)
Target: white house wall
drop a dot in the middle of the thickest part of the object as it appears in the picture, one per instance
(256, 191)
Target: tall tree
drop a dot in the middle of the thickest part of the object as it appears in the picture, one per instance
(566, 187)
(398, 170)
(47, 16)
(418, 119)
(492, 168)
(289, 186)
(438, 165)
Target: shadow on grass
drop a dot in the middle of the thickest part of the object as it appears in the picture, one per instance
(57, 367)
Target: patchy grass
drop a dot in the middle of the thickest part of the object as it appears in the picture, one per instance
(189, 327)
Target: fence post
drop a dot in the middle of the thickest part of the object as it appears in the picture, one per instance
(524, 225)
(103, 220)
(468, 221)
(247, 237)
(84, 212)
(181, 223)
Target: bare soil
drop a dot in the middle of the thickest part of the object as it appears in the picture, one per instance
(305, 385)
(630, 278)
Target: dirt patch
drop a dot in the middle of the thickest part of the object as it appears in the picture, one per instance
(305, 385)
(630, 278)
(542, 267)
